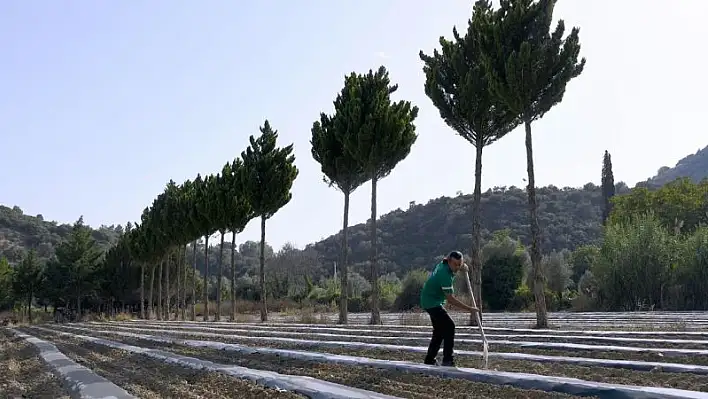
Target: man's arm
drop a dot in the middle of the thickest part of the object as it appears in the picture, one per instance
(457, 303)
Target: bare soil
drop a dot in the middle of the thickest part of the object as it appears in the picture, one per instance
(152, 379)
(392, 337)
(401, 384)
(23, 374)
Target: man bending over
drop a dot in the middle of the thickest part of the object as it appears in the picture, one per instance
(438, 290)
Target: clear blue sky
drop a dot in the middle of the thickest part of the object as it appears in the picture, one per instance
(102, 102)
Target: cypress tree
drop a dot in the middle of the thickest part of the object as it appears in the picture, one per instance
(529, 68)
(457, 84)
(267, 176)
(608, 186)
(385, 138)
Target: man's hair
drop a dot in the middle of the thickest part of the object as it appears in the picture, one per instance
(457, 255)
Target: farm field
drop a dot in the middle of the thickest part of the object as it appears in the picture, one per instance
(155, 359)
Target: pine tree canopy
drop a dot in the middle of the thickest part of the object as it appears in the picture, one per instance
(528, 65)
(268, 172)
(387, 131)
(457, 84)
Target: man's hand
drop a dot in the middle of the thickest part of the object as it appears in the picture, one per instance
(465, 268)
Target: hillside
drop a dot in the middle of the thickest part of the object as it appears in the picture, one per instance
(694, 166)
(19, 232)
(569, 217)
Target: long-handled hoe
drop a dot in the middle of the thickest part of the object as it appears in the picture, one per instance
(485, 344)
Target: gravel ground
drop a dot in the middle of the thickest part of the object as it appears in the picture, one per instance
(598, 354)
(599, 374)
(152, 379)
(407, 385)
(23, 374)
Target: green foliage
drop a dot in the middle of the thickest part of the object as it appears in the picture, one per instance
(268, 173)
(581, 260)
(417, 237)
(679, 205)
(457, 84)
(636, 259)
(6, 278)
(20, 232)
(557, 271)
(387, 134)
(503, 260)
(77, 260)
(528, 65)
(608, 186)
(409, 298)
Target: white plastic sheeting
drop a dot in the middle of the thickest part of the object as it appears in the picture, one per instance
(522, 344)
(79, 381)
(571, 386)
(580, 361)
(417, 335)
(308, 386)
(413, 328)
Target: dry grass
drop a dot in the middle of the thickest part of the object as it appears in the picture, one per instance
(22, 373)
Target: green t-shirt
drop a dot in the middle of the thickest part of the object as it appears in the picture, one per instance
(436, 288)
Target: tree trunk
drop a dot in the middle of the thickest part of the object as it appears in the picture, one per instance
(264, 308)
(206, 278)
(538, 283)
(78, 305)
(218, 282)
(233, 276)
(159, 289)
(178, 267)
(476, 260)
(344, 296)
(375, 313)
(194, 280)
(166, 310)
(151, 303)
(29, 307)
(183, 267)
(142, 290)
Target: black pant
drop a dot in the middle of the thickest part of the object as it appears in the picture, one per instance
(443, 330)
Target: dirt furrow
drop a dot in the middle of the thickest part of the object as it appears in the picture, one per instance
(597, 354)
(402, 384)
(152, 379)
(23, 374)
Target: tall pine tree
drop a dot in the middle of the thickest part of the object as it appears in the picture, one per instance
(385, 138)
(267, 176)
(529, 67)
(608, 186)
(457, 84)
(329, 137)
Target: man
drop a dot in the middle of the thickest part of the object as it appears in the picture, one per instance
(438, 290)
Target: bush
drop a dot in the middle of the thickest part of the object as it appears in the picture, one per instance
(409, 298)
(522, 300)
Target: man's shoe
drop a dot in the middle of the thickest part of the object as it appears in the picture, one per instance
(448, 363)
(434, 362)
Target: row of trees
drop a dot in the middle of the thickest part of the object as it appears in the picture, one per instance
(256, 185)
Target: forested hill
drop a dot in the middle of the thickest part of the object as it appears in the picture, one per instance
(569, 217)
(694, 166)
(19, 232)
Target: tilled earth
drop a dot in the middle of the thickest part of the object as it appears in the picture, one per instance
(152, 379)
(598, 374)
(417, 338)
(263, 340)
(401, 384)
(462, 333)
(23, 374)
